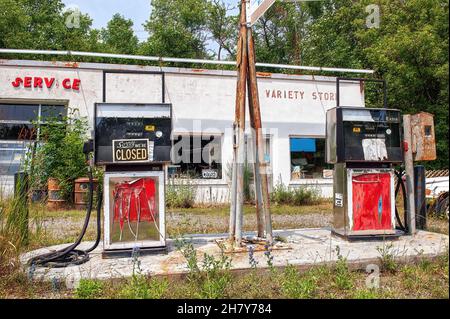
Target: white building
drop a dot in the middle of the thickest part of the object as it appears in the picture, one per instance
(293, 111)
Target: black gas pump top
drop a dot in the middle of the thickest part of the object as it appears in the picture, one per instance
(132, 134)
(365, 135)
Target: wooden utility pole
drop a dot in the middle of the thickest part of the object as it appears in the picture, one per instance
(237, 183)
(246, 76)
(255, 118)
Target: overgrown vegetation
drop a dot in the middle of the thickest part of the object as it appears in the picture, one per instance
(301, 195)
(59, 153)
(180, 195)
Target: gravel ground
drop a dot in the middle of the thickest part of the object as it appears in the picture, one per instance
(64, 228)
(196, 223)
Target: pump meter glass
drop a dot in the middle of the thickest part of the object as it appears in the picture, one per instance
(134, 209)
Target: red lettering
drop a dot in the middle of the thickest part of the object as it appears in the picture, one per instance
(49, 82)
(76, 84)
(267, 93)
(66, 84)
(27, 82)
(17, 82)
(37, 82)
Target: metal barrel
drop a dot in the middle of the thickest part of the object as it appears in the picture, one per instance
(55, 200)
(81, 192)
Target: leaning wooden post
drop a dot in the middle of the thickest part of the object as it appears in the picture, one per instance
(257, 176)
(238, 165)
(256, 123)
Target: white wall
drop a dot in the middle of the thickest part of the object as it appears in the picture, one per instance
(203, 101)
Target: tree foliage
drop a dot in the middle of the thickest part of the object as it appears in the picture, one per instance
(409, 48)
(119, 36)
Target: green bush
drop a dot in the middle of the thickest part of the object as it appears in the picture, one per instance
(302, 195)
(180, 196)
(89, 289)
(59, 153)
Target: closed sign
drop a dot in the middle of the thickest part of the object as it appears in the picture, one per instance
(132, 151)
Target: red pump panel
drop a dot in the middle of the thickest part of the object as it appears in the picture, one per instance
(372, 201)
(134, 201)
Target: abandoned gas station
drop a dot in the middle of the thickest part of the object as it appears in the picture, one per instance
(293, 111)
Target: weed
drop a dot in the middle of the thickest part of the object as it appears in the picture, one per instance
(343, 278)
(211, 280)
(251, 257)
(387, 258)
(295, 286)
(269, 256)
(216, 276)
(89, 289)
(366, 294)
(141, 287)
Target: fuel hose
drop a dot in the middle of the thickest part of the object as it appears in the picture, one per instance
(401, 186)
(70, 255)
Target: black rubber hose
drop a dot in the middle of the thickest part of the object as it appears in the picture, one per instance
(70, 255)
(401, 184)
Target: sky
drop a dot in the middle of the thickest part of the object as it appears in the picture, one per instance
(101, 12)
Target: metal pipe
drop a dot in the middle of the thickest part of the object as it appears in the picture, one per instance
(409, 169)
(181, 60)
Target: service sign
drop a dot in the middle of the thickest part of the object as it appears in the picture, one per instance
(132, 151)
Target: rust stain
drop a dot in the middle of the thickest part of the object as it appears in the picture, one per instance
(74, 65)
(423, 137)
(264, 74)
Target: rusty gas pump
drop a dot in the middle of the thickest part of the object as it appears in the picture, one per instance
(133, 144)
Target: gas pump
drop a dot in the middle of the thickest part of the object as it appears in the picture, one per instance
(364, 144)
(133, 143)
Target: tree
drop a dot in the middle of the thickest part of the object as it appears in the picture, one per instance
(177, 28)
(409, 49)
(119, 36)
(13, 22)
(222, 27)
(279, 34)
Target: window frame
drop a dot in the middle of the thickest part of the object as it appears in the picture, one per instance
(306, 180)
(26, 143)
(200, 180)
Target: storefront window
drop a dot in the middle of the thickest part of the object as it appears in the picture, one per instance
(197, 157)
(19, 127)
(307, 158)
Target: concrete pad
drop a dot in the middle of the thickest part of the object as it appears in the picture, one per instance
(302, 247)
